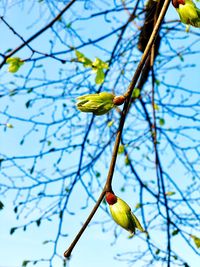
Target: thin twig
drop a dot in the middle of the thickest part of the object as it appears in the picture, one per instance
(50, 24)
(128, 94)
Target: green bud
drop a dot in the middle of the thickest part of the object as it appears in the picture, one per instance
(188, 12)
(121, 213)
(9, 125)
(14, 64)
(98, 104)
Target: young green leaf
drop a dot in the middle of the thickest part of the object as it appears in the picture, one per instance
(196, 240)
(99, 76)
(14, 64)
(170, 193)
(136, 93)
(127, 161)
(161, 121)
(175, 232)
(156, 107)
(87, 63)
(138, 205)
(121, 149)
(110, 123)
(99, 64)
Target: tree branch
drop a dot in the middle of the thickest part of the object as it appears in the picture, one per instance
(50, 24)
(128, 94)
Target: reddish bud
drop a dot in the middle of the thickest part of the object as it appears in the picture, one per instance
(118, 100)
(176, 3)
(111, 198)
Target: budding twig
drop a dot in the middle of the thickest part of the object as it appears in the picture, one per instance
(128, 94)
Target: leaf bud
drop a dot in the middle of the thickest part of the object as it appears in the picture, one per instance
(98, 104)
(121, 213)
(176, 3)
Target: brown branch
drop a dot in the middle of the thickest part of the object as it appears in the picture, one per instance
(128, 94)
(50, 24)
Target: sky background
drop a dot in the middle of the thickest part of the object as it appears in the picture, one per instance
(95, 247)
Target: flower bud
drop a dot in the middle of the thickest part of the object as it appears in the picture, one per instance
(176, 3)
(98, 104)
(188, 12)
(121, 213)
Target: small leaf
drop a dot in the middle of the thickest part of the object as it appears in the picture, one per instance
(8, 50)
(29, 90)
(99, 64)
(121, 149)
(38, 222)
(87, 63)
(110, 123)
(97, 174)
(68, 25)
(28, 103)
(137, 223)
(122, 189)
(81, 58)
(157, 251)
(155, 106)
(79, 55)
(196, 240)
(16, 209)
(127, 161)
(32, 169)
(161, 121)
(67, 189)
(13, 92)
(25, 263)
(12, 230)
(45, 242)
(170, 193)
(14, 64)
(9, 125)
(48, 143)
(99, 76)
(157, 82)
(181, 57)
(136, 93)
(138, 205)
(1, 205)
(175, 232)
